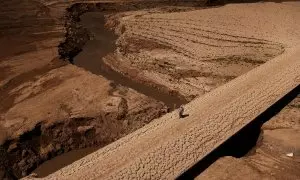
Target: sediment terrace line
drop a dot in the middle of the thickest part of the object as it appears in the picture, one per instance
(168, 146)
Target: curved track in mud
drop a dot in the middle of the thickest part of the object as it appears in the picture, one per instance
(104, 42)
(32, 30)
(35, 95)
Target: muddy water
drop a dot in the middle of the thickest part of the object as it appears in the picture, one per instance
(61, 161)
(103, 43)
(91, 59)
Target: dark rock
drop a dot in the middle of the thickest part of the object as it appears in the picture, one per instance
(24, 153)
(84, 129)
(12, 147)
(22, 164)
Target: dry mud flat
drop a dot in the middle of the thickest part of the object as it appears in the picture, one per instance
(268, 160)
(150, 152)
(167, 147)
(49, 107)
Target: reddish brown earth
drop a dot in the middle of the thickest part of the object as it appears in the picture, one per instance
(49, 106)
(269, 160)
(169, 146)
(165, 54)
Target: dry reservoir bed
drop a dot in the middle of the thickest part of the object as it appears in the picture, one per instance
(162, 56)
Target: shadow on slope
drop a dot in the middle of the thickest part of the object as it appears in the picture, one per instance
(243, 141)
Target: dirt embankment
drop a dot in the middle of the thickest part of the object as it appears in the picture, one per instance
(162, 155)
(77, 36)
(230, 49)
(269, 159)
(184, 51)
(45, 110)
(51, 108)
(46, 141)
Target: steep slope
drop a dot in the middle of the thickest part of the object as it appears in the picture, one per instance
(168, 146)
(279, 137)
(196, 51)
(49, 107)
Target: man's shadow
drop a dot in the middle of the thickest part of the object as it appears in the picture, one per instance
(184, 115)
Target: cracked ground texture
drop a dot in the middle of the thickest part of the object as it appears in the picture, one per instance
(36, 87)
(166, 147)
(196, 51)
(268, 160)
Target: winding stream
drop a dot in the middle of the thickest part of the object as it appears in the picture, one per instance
(90, 58)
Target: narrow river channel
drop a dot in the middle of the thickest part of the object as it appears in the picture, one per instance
(103, 43)
(90, 58)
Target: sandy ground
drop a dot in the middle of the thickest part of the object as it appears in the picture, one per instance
(280, 136)
(43, 96)
(190, 52)
(196, 51)
(151, 152)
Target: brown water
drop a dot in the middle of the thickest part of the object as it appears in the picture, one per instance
(103, 43)
(61, 161)
(91, 59)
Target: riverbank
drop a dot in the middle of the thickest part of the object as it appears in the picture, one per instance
(50, 107)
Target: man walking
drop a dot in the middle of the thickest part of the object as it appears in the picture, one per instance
(181, 111)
